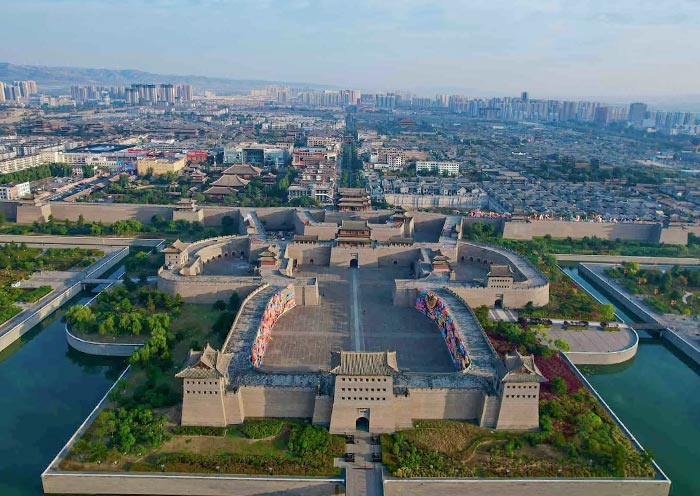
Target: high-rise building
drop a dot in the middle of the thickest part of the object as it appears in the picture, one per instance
(637, 113)
(523, 96)
(2, 91)
(167, 93)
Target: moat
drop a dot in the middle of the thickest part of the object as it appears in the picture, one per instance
(654, 394)
(49, 390)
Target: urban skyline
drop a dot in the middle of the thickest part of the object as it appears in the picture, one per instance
(554, 50)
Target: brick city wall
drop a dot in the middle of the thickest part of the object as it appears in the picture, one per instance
(649, 233)
(520, 487)
(186, 485)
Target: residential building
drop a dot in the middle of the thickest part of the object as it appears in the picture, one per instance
(159, 166)
(450, 168)
(14, 191)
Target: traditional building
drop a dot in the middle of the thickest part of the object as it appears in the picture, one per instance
(364, 391)
(244, 171)
(176, 254)
(520, 393)
(500, 276)
(353, 200)
(228, 184)
(205, 376)
(353, 233)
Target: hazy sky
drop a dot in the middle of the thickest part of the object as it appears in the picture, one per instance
(552, 48)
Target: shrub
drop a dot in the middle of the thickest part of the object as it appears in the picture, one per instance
(259, 429)
(558, 385)
(193, 430)
(308, 441)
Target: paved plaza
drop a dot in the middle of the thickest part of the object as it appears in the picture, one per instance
(356, 313)
(228, 266)
(593, 340)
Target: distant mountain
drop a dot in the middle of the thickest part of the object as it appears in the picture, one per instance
(60, 79)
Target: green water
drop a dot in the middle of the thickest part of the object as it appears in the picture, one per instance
(47, 391)
(657, 396)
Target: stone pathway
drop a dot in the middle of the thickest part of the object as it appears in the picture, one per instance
(363, 476)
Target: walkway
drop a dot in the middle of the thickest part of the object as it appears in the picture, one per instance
(475, 341)
(355, 322)
(446, 239)
(363, 477)
(245, 327)
(568, 257)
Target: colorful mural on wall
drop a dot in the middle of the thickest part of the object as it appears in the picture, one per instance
(431, 305)
(281, 302)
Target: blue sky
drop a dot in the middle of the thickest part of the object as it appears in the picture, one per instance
(552, 48)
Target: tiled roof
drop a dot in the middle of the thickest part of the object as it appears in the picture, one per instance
(500, 271)
(243, 170)
(354, 225)
(521, 368)
(363, 363)
(209, 363)
(177, 247)
(230, 180)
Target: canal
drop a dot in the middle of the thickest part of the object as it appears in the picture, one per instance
(656, 396)
(47, 391)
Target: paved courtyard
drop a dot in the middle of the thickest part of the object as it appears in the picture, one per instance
(356, 313)
(228, 266)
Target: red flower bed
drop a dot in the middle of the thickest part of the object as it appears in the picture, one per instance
(556, 366)
(499, 343)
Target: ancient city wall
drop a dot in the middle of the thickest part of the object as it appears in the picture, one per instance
(449, 404)
(383, 255)
(185, 484)
(678, 235)
(281, 402)
(649, 233)
(474, 254)
(520, 487)
(309, 254)
(205, 289)
(513, 298)
(325, 232)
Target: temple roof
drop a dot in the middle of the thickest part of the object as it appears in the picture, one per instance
(220, 190)
(208, 364)
(500, 271)
(521, 368)
(243, 170)
(231, 180)
(354, 225)
(363, 363)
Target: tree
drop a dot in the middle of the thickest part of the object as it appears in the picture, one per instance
(558, 385)
(80, 318)
(234, 302)
(607, 311)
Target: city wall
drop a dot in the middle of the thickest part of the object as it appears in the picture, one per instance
(519, 487)
(649, 233)
(511, 298)
(185, 484)
(282, 218)
(205, 289)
